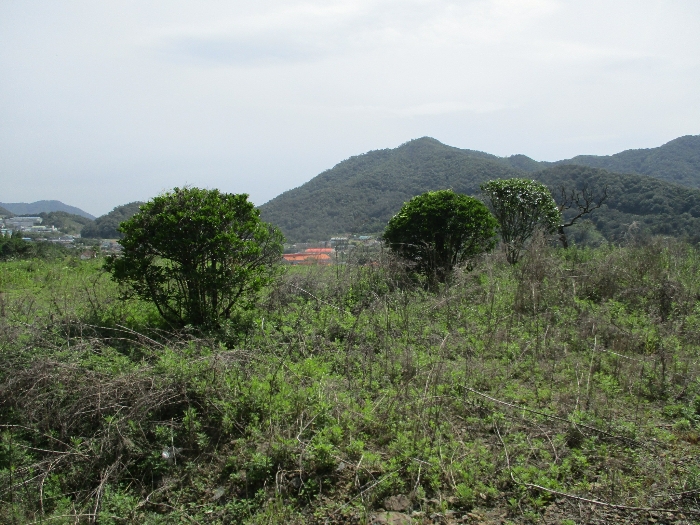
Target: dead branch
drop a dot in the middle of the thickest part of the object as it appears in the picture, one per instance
(583, 202)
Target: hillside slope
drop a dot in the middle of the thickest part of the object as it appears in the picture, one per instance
(363, 192)
(105, 226)
(658, 207)
(677, 161)
(35, 208)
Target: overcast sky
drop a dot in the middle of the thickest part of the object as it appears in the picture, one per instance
(104, 103)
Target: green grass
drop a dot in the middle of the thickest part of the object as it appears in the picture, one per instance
(575, 371)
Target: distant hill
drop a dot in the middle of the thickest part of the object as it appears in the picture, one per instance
(677, 161)
(657, 206)
(66, 222)
(4, 212)
(35, 208)
(105, 226)
(362, 193)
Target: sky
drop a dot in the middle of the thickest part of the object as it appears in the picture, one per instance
(105, 103)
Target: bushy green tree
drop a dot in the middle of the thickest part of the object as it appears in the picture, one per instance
(520, 206)
(197, 254)
(12, 246)
(439, 230)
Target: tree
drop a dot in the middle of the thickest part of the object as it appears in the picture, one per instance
(520, 206)
(439, 230)
(197, 254)
(581, 202)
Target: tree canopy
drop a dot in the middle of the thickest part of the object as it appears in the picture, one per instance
(520, 206)
(197, 254)
(440, 229)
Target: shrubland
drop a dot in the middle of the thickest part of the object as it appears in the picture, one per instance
(562, 389)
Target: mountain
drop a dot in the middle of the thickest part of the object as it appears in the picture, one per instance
(362, 193)
(5, 213)
(105, 226)
(657, 206)
(66, 222)
(35, 208)
(677, 161)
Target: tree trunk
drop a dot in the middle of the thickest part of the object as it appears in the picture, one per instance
(562, 237)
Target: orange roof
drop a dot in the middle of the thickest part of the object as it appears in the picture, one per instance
(318, 250)
(308, 258)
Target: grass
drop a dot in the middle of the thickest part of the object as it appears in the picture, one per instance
(500, 398)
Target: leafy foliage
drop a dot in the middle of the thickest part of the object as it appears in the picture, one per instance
(14, 247)
(197, 254)
(107, 226)
(574, 371)
(520, 207)
(439, 230)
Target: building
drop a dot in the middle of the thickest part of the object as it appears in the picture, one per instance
(22, 223)
(307, 259)
(329, 251)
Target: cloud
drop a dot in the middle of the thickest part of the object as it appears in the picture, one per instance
(242, 51)
(260, 96)
(302, 32)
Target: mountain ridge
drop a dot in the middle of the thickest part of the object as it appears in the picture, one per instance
(362, 192)
(46, 206)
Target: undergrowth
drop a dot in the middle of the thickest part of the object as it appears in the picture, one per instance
(503, 396)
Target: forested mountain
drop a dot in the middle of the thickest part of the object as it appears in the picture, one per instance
(5, 213)
(677, 161)
(105, 226)
(362, 193)
(66, 222)
(35, 208)
(657, 206)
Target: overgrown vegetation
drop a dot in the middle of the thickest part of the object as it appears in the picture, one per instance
(521, 207)
(563, 389)
(14, 247)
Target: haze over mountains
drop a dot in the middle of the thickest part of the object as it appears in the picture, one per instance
(658, 187)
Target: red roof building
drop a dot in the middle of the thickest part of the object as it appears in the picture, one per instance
(307, 258)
